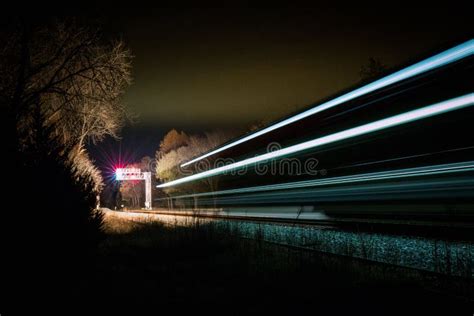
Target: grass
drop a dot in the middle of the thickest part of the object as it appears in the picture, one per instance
(146, 263)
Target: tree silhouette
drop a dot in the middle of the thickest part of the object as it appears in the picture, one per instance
(168, 164)
(173, 140)
(373, 69)
(57, 83)
(74, 78)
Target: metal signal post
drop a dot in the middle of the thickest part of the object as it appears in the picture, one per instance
(123, 174)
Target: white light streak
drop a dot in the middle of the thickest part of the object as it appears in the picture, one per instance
(365, 177)
(407, 117)
(456, 53)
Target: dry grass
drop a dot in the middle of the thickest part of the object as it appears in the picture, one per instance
(115, 223)
(158, 264)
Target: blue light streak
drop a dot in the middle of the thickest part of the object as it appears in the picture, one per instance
(404, 118)
(459, 167)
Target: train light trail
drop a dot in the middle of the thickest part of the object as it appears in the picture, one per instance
(434, 170)
(404, 118)
(449, 56)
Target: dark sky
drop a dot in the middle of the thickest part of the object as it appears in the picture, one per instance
(214, 67)
(200, 69)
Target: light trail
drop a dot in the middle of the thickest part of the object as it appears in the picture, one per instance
(374, 176)
(403, 158)
(363, 192)
(449, 56)
(404, 118)
(391, 191)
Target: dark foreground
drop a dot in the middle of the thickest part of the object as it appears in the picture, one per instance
(198, 269)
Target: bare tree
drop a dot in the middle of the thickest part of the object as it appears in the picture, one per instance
(173, 140)
(83, 168)
(146, 164)
(167, 164)
(72, 76)
(202, 144)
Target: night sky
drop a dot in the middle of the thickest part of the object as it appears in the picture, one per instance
(201, 69)
(228, 66)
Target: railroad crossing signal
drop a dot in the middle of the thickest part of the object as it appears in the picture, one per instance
(123, 174)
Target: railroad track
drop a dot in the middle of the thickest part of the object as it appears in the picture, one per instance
(456, 230)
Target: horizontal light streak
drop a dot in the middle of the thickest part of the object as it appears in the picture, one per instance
(374, 176)
(451, 55)
(407, 117)
(429, 188)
